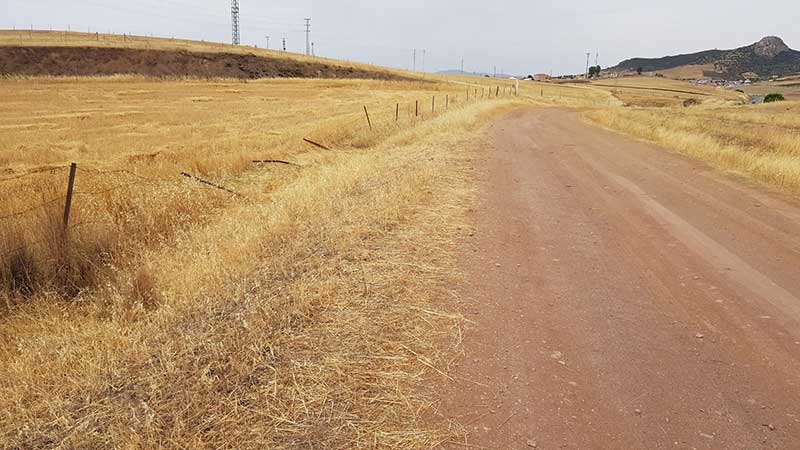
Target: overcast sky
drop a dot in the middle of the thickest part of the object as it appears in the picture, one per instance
(518, 36)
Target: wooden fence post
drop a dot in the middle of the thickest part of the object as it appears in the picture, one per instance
(497, 93)
(369, 122)
(70, 187)
(397, 113)
(467, 94)
(433, 105)
(416, 110)
(447, 102)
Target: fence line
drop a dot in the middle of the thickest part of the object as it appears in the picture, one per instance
(415, 115)
(32, 208)
(34, 172)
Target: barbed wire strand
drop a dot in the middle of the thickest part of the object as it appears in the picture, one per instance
(34, 172)
(32, 208)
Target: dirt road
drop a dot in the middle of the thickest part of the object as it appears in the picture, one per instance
(624, 297)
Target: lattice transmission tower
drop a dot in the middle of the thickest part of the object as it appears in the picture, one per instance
(235, 22)
(308, 35)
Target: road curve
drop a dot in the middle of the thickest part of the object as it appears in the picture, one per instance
(624, 297)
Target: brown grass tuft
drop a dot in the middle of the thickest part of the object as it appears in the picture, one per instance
(144, 290)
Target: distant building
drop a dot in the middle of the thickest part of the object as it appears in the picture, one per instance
(541, 77)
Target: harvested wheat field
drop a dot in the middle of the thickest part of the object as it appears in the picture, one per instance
(246, 265)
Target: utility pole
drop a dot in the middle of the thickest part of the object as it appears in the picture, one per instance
(495, 71)
(236, 38)
(423, 60)
(588, 54)
(414, 66)
(267, 42)
(308, 36)
(284, 44)
(313, 53)
(596, 57)
(462, 66)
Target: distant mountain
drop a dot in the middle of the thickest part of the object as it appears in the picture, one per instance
(766, 58)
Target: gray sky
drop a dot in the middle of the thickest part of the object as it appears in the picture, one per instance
(518, 36)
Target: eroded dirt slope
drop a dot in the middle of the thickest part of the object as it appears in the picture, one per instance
(94, 61)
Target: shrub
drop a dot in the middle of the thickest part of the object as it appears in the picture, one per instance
(774, 98)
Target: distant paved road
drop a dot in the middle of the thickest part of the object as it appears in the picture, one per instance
(625, 298)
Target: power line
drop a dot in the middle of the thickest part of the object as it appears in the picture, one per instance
(235, 22)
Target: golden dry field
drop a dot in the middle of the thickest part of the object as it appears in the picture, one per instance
(132, 137)
(305, 303)
(789, 89)
(756, 141)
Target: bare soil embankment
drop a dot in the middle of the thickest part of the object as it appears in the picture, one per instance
(96, 61)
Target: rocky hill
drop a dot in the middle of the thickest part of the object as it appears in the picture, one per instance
(766, 58)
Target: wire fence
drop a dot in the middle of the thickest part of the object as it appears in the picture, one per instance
(106, 182)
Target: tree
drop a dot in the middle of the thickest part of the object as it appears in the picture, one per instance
(774, 98)
(638, 70)
(594, 71)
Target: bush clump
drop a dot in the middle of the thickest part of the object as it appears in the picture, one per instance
(774, 98)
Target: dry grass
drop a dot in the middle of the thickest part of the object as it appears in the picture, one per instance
(689, 72)
(761, 142)
(789, 88)
(655, 92)
(309, 312)
(132, 138)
